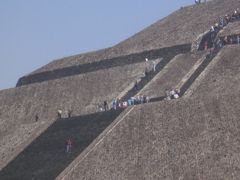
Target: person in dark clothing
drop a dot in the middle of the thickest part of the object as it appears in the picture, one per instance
(221, 22)
(69, 144)
(105, 104)
(114, 104)
(146, 73)
(225, 40)
(238, 13)
(227, 19)
(205, 45)
(36, 117)
(136, 86)
(69, 113)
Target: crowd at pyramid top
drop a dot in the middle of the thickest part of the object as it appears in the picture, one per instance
(212, 41)
(199, 1)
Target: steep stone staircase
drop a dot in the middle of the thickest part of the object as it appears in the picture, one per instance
(197, 72)
(44, 157)
(175, 73)
(185, 84)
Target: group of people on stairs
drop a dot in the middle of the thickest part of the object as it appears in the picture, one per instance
(212, 41)
(215, 42)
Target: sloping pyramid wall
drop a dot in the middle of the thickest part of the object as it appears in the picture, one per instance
(181, 27)
(201, 124)
(221, 76)
(186, 139)
(193, 138)
(81, 94)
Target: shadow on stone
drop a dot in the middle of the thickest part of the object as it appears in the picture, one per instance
(104, 64)
(45, 158)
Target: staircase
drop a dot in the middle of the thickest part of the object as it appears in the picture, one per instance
(185, 84)
(45, 157)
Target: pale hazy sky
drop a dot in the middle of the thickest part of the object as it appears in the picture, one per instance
(33, 33)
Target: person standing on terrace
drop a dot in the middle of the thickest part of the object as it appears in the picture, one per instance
(36, 117)
(205, 45)
(238, 39)
(154, 66)
(69, 113)
(69, 145)
(136, 86)
(105, 104)
(114, 104)
(59, 113)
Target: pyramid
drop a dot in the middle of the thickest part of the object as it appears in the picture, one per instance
(193, 137)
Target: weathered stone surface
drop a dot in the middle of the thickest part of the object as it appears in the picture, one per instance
(181, 139)
(191, 138)
(231, 29)
(173, 75)
(221, 76)
(79, 93)
(46, 156)
(105, 64)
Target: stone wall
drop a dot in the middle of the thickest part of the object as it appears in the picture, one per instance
(79, 93)
(172, 75)
(180, 139)
(231, 29)
(221, 76)
(105, 64)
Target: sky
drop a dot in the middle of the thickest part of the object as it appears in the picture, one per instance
(35, 32)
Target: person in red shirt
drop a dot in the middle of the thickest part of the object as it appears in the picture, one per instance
(69, 144)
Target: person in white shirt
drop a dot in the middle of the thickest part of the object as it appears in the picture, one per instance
(197, 1)
(172, 92)
(59, 113)
(154, 66)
